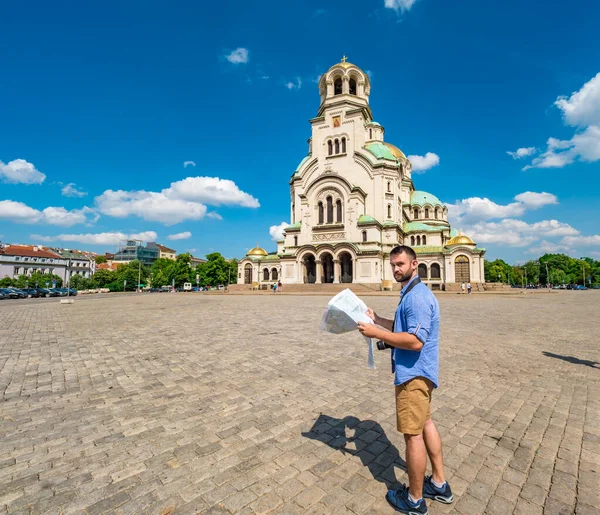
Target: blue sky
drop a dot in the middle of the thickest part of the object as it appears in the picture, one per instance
(101, 106)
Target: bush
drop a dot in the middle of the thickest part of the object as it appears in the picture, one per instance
(115, 286)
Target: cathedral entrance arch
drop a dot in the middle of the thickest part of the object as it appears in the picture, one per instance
(310, 269)
(248, 274)
(327, 266)
(346, 267)
(462, 271)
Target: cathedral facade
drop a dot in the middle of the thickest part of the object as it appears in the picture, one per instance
(352, 200)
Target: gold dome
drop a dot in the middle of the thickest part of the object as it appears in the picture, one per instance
(344, 64)
(257, 252)
(398, 154)
(461, 239)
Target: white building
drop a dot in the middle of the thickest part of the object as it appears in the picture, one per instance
(352, 199)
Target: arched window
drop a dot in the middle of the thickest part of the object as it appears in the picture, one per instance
(412, 241)
(329, 210)
(435, 213)
(422, 271)
(424, 240)
(266, 274)
(337, 86)
(320, 212)
(435, 271)
(389, 211)
(274, 275)
(364, 236)
(338, 208)
(416, 213)
(389, 187)
(295, 241)
(337, 146)
(370, 133)
(343, 145)
(418, 240)
(426, 213)
(352, 86)
(329, 148)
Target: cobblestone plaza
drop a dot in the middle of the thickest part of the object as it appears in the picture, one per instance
(191, 403)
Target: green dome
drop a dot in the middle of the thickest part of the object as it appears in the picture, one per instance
(418, 226)
(380, 151)
(420, 198)
(374, 124)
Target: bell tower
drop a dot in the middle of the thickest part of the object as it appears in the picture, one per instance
(344, 85)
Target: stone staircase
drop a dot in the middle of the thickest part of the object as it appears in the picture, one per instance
(311, 288)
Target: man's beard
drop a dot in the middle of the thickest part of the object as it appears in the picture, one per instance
(403, 278)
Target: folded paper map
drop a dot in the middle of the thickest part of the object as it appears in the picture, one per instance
(342, 315)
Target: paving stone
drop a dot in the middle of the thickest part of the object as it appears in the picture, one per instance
(102, 411)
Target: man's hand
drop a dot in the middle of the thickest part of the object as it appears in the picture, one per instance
(372, 315)
(368, 330)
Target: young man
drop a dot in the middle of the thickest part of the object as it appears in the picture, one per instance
(413, 337)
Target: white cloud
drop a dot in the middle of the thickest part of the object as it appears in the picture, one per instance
(182, 200)
(582, 110)
(522, 152)
(104, 238)
(151, 206)
(423, 163)
(276, 231)
(548, 247)
(585, 241)
(399, 5)
(188, 163)
(180, 236)
(210, 190)
(70, 190)
(214, 215)
(22, 213)
(517, 233)
(477, 208)
(238, 56)
(583, 107)
(294, 85)
(20, 171)
(535, 200)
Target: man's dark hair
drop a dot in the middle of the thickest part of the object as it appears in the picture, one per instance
(404, 249)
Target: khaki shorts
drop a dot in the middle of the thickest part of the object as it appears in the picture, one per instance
(413, 401)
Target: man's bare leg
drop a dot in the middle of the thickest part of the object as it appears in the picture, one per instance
(433, 444)
(416, 461)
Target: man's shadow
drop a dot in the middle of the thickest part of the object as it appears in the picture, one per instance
(368, 441)
(573, 359)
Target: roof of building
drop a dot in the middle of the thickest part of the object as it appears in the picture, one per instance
(297, 225)
(397, 153)
(257, 252)
(71, 254)
(108, 266)
(461, 239)
(419, 226)
(374, 124)
(366, 219)
(162, 248)
(380, 150)
(421, 198)
(28, 251)
(306, 158)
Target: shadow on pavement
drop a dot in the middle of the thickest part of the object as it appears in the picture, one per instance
(572, 359)
(369, 442)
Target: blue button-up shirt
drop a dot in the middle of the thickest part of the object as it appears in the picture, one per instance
(418, 314)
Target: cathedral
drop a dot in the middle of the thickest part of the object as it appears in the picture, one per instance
(352, 199)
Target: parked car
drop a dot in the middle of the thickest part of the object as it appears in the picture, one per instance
(31, 292)
(45, 292)
(60, 291)
(20, 293)
(10, 294)
(580, 287)
(3, 295)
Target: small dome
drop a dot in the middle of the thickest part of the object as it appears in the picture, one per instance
(461, 239)
(420, 198)
(257, 252)
(398, 154)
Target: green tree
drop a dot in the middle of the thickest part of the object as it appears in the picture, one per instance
(497, 271)
(6, 282)
(182, 270)
(100, 259)
(129, 272)
(532, 272)
(163, 271)
(103, 277)
(216, 270)
(81, 283)
(37, 279)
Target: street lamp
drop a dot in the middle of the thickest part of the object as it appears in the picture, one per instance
(498, 277)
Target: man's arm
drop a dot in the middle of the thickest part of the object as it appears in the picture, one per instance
(383, 322)
(404, 341)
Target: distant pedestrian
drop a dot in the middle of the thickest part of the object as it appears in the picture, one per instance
(469, 288)
(462, 288)
(279, 286)
(274, 287)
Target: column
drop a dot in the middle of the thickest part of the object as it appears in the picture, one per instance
(336, 271)
(319, 271)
